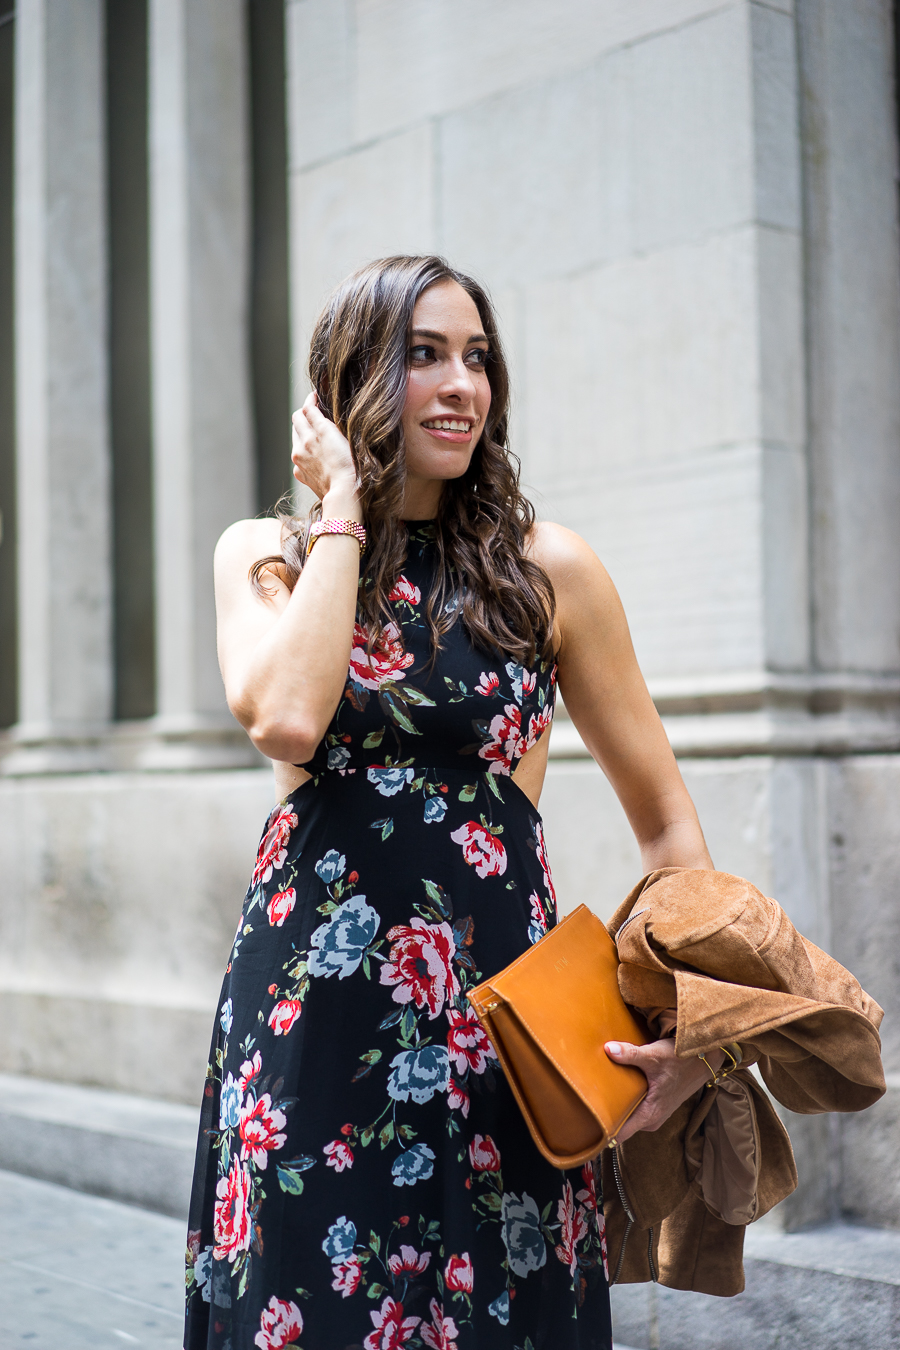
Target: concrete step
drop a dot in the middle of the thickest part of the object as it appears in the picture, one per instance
(831, 1288)
(132, 1149)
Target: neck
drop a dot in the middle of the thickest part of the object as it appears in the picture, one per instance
(422, 499)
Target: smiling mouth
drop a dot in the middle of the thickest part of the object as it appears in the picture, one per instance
(449, 424)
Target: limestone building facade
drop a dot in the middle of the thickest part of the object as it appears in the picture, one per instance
(687, 212)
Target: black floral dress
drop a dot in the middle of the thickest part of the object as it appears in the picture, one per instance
(364, 1179)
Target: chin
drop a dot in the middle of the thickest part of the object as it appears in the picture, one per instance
(441, 468)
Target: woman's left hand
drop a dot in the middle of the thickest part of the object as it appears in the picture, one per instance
(671, 1080)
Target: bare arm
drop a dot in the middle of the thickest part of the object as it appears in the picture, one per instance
(284, 658)
(608, 701)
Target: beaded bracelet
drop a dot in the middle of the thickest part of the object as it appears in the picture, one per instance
(734, 1053)
(335, 527)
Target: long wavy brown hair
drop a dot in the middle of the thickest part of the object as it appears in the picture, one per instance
(358, 365)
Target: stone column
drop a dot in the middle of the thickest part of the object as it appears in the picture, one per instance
(65, 671)
(202, 435)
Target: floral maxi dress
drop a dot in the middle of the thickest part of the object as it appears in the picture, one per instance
(364, 1179)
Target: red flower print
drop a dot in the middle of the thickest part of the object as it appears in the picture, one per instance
(284, 1015)
(574, 1227)
(280, 906)
(347, 1275)
(529, 680)
(467, 1041)
(406, 591)
(539, 723)
(420, 965)
(484, 1154)
(544, 861)
(409, 1261)
(250, 1071)
(507, 742)
(458, 1274)
(588, 1196)
(384, 664)
(273, 849)
(538, 926)
(339, 1154)
(232, 1228)
(481, 849)
(442, 1333)
(392, 1330)
(280, 1325)
(458, 1098)
(487, 684)
(259, 1127)
(601, 1233)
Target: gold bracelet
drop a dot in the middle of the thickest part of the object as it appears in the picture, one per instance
(734, 1053)
(335, 526)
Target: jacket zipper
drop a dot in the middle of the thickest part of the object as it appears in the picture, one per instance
(625, 1205)
(620, 1186)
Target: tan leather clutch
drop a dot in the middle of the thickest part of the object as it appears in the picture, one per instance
(548, 1016)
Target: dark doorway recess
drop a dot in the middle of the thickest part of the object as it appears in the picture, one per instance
(270, 348)
(8, 640)
(129, 356)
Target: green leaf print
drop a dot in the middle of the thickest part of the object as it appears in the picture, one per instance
(415, 697)
(386, 1134)
(374, 739)
(492, 784)
(467, 794)
(289, 1181)
(393, 707)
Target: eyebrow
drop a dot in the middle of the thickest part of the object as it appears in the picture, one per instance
(442, 337)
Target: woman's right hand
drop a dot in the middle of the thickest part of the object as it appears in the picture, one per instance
(321, 454)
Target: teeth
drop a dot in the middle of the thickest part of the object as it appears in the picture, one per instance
(448, 424)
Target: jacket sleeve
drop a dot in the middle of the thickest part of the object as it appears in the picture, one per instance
(735, 968)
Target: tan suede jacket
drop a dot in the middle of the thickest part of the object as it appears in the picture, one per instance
(732, 965)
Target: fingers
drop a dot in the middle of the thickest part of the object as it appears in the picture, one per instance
(623, 1052)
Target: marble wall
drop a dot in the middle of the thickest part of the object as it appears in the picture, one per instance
(686, 211)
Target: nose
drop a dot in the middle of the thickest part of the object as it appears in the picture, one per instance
(458, 382)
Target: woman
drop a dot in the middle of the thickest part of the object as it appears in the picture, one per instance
(364, 1178)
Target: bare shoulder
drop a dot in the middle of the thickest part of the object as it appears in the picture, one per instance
(570, 563)
(245, 537)
(243, 544)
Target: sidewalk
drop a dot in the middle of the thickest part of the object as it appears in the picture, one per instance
(80, 1273)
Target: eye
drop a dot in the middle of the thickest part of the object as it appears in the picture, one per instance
(421, 355)
(478, 357)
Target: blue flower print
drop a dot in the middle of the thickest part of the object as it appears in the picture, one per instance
(515, 673)
(390, 781)
(341, 942)
(331, 866)
(226, 1018)
(230, 1100)
(500, 1308)
(419, 1074)
(435, 810)
(416, 1164)
(338, 757)
(522, 1236)
(341, 1239)
(203, 1273)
